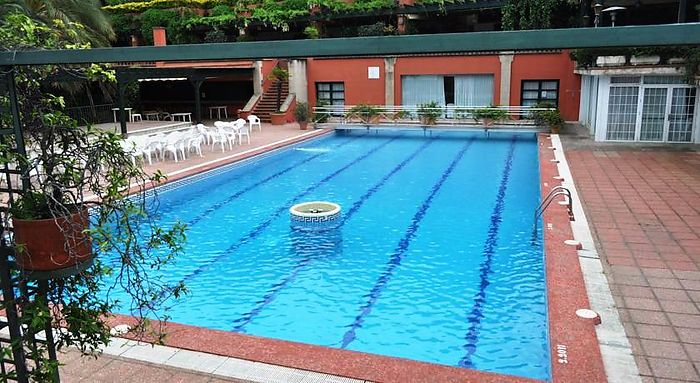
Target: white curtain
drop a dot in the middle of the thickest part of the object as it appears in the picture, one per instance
(474, 90)
(417, 90)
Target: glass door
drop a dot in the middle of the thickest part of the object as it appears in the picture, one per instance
(680, 117)
(653, 122)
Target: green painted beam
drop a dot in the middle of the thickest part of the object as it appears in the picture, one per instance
(668, 34)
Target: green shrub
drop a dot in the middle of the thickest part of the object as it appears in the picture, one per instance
(429, 112)
(493, 114)
(301, 112)
(311, 32)
(365, 112)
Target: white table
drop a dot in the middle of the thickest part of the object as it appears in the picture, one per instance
(186, 117)
(114, 111)
(148, 115)
(218, 109)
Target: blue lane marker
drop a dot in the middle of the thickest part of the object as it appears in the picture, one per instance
(477, 314)
(401, 249)
(263, 225)
(304, 261)
(239, 193)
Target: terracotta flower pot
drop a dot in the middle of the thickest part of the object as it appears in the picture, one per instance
(303, 125)
(278, 118)
(52, 244)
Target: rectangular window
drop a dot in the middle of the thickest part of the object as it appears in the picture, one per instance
(534, 92)
(330, 93)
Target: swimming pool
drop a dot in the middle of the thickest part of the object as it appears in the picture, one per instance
(433, 260)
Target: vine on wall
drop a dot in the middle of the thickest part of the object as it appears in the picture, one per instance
(534, 14)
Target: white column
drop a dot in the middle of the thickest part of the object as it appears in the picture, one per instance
(298, 82)
(389, 63)
(506, 59)
(257, 78)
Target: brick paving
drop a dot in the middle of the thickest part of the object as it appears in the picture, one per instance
(644, 210)
(111, 369)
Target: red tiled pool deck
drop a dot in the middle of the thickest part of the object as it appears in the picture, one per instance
(643, 207)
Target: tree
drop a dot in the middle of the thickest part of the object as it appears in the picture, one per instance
(84, 17)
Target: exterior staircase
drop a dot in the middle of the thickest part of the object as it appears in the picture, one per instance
(268, 101)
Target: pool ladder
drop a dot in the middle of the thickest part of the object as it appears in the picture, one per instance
(555, 192)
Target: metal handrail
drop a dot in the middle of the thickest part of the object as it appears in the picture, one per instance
(409, 113)
(553, 193)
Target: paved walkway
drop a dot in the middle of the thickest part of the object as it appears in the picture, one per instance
(110, 369)
(644, 210)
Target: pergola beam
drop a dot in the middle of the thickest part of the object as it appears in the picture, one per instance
(647, 35)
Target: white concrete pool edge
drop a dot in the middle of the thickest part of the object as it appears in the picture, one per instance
(217, 365)
(615, 348)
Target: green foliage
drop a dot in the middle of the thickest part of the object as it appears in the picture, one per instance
(215, 36)
(69, 165)
(365, 112)
(536, 14)
(377, 29)
(278, 74)
(429, 112)
(142, 6)
(31, 205)
(124, 26)
(494, 114)
(586, 57)
(551, 117)
(156, 18)
(301, 112)
(321, 117)
(311, 32)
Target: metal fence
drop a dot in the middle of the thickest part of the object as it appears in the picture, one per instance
(88, 115)
(405, 114)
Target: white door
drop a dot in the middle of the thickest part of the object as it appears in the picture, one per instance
(654, 112)
(680, 116)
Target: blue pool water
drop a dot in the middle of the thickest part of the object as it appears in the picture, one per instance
(433, 260)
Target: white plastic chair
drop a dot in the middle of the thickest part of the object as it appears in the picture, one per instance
(253, 120)
(243, 130)
(130, 148)
(174, 143)
(206, 132)
(195, 142)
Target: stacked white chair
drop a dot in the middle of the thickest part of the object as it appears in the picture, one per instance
(175, 143)
(243, 130)
(253, 121)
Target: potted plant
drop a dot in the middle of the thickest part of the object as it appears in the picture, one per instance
(279, 76)
(64, 241)
(548, 116)
(553, 120)
(487, 116)
(429, 113)
(368, 114)
(301, 114)
(84, 202)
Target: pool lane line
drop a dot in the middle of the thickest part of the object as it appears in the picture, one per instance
(306, 260)
(239, 193)
(401, 249)
(476, 314)
(220, 204)
(262, 226)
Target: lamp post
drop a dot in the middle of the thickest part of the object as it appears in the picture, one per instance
(597, 8)
(613, 12)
